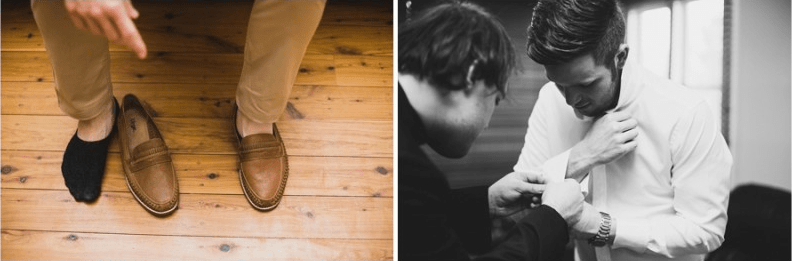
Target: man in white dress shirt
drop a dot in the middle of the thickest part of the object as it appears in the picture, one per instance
(649, 151)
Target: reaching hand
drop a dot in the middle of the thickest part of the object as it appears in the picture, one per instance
(514, 192)
(610, 137)
(565, 197)
(108, 18)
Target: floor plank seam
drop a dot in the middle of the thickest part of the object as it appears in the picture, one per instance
(229, 153)
(201, 236)
(216, 194)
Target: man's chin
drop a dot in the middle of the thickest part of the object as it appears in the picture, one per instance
(451, 152)
(584, 114)
(578, 114)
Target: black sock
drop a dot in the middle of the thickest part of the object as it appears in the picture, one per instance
(84, 164)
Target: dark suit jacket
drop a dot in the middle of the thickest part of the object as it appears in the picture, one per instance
(439, 223)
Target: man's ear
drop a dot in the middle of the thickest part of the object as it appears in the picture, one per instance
(469, 77)
(621, 56)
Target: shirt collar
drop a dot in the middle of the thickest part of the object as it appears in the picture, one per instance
(629, 86)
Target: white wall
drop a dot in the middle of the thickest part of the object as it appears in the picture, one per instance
(760, 92)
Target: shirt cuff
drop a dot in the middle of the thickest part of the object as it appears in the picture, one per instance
(632, 234)
(555, 170)
(584, 185)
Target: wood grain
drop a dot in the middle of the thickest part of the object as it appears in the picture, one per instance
(312, 102)
(192, 38)
(201, 215)
(27, 244)
(337, 126)
(165, 67)
(209, 68)
(357, 70)
(214, 136)
(223, 13)
(215, 174)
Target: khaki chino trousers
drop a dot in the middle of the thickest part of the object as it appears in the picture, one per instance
(278, 34)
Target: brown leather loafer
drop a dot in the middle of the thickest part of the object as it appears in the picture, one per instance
(263, 168)
(148, 168)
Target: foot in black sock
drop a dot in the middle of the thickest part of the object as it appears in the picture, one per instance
(84, 164)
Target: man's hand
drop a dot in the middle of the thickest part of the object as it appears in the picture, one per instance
(514, 192)
(108, 18)
(565, 197)
(610, 137)
(589, 223)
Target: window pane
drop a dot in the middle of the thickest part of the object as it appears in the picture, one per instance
(703, 44)
(655, 39)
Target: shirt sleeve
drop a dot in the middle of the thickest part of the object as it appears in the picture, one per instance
(536, 149)
(701, 177)
(469, 208)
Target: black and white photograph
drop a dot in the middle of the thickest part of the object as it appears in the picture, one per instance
(593, 130)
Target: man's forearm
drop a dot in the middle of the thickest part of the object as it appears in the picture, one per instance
(579, 165)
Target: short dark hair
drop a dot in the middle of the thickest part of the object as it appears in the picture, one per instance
(442, 42)
(562, 30)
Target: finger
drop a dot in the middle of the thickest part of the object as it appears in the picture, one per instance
(530, 188)
(130, 10)
(532, 176)
(93, 27)
(130, 37)
(533, 198)
(108, 28)
(78, 22)
(618, 116)
(629, 146)
(629, 124)
(629, 135)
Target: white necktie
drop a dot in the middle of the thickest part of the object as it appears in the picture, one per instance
(599, 199)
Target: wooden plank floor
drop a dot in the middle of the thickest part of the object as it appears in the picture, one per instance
(338, 203)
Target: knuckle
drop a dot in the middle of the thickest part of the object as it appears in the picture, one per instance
(95, 12)
(80, 11)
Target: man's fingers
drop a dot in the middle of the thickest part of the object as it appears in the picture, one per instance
(630, 123)
(532, 176)
(530, 188)
(78, 22)
(629, 146)
(130, 10)
(630, 134)
(619, 116)
(130, 37)
(93, 26)
(109, 29)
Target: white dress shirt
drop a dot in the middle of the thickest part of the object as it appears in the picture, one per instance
(669, 196)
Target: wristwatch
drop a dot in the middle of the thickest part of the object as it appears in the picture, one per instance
(601, 238)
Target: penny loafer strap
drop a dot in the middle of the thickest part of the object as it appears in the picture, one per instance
(262, 152)
(157, 157)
